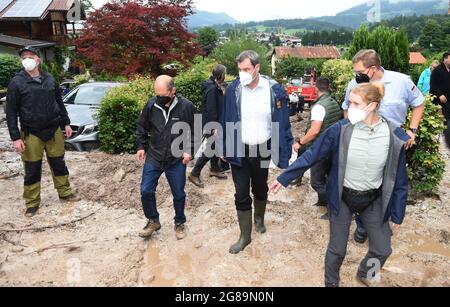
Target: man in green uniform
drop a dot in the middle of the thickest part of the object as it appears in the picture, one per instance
(324, 113)
(35, 99)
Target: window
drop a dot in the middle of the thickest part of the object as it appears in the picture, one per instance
(58, 28)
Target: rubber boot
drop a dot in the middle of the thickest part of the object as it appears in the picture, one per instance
(260, 210)
(245, 224)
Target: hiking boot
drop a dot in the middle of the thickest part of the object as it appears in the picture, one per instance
(366, 282)
(72, 198)
(148, 230)
(31, 212)
(360, 237)
(297, 182)
(260, 210)
(325, 217)
(196, 181)
(245, 225)
(180, 231)
(219, 175)
(320, 204)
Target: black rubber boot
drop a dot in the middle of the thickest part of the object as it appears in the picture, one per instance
(260, 211)
(245, 224)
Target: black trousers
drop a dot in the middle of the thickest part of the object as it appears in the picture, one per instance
(206, 157)
(319, 179)
(252, 174)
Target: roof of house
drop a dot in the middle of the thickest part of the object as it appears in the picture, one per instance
(31, 9)
(22, 42)
(416, 58)
(307, 52)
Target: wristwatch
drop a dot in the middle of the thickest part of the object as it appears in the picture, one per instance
(413, 130)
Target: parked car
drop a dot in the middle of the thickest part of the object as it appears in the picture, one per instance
(82, 104)
(66, 86)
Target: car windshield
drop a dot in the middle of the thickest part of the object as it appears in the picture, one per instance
(296, 82)
(90, 95)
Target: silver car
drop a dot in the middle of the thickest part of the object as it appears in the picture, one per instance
(83, 104)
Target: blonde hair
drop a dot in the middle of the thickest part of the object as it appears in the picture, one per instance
(370, 92)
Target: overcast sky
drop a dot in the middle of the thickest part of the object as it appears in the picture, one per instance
(256, 10)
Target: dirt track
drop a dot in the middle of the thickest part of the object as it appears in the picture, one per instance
(103, 248)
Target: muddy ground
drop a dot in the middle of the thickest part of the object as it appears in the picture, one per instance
(94, 242)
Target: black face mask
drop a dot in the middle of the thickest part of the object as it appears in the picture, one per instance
(362, 78)
(163, 100)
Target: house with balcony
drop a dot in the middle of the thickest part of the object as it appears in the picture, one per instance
(42, 24)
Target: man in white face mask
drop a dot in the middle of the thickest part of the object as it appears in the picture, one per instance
(34, 99)
(256, 107)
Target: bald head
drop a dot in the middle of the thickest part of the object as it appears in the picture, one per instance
(164, 86)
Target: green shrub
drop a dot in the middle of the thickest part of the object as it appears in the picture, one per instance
(104, 76)
(291, 67)
(391, 44)
(9, 66)
(227, 53)
(425, 164)
(188, 83)
(340, 73)
(81, 79)
(119, 113)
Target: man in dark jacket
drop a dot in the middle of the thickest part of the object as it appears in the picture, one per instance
(440, 85)
(164, 151)
(256, 130)
(35, 98)
(212, 101)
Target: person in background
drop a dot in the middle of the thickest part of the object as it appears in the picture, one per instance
(440, 86)
(35, 98)
(368, 177)
(325, 112)
(425, 78)
(212, 101)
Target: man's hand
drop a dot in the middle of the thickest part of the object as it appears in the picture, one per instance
(140, 156)
(296, 147)
(223, 159)
(275, 187)
(186, 158)
(68, 131)
(19, 146)
(443, 99)
(412, 141)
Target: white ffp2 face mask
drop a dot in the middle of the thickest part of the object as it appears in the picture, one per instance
(245, 77)
(356, 115)
(29, 64)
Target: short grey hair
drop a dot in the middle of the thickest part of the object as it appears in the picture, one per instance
(368, 57)
(251, 55)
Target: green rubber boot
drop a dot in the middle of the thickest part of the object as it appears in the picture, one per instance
(260, 211)
(245, 224)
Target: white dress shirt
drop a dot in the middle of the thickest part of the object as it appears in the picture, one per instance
(256, 110)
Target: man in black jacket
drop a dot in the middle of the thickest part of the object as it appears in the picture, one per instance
(212, 101)
(440, 85)
(164, 151)
(35, 98)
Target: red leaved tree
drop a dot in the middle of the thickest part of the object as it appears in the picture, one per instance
(137, 37)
